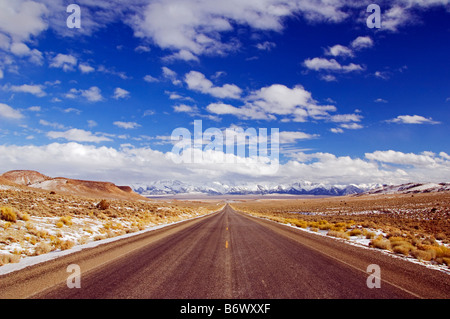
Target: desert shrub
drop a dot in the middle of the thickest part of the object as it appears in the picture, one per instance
(59, 224)
(8, 214)
(338, 234)
(66, 220)
(404, 248)
(425, 255)
(297, 222)
(401, 245)
(380, 243)
(66, 244)
(369, 234)
(324, 225)
(355, 232)
(42, 248)
(103, 205)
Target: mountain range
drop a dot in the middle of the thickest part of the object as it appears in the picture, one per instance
(170, 187)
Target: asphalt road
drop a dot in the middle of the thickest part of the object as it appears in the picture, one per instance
(227, 255)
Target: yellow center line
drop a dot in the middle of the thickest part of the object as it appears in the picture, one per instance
(226, 244)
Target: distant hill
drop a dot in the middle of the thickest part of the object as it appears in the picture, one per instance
(69, 186)
(410, 188)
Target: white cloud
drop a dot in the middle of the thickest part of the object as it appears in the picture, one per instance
(287, 137)
(64, 61)
(170, 75)
(126, 125)
(291, 104)
(54, 125)
(183, 55)
(423, 160)
(196, 26)
(92, 123)
(78, 135)
(362, 43)
(352, 126)
(150, 79)
(328, 78)
(245, 112)
(266, 46)
(413, 119)
(339, 50)
(37, 90)
(22, 50)
(34, 109)
(142, 49)
(344, 118)
(129, 165)
(93, 94)
(319, 64)
(395, 17)
(336, 130)
(8, 112)
(120, 93)
(198, 82)
(183, 108)
(22, 19)
(85, 68)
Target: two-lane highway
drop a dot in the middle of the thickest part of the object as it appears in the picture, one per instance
(231, 255)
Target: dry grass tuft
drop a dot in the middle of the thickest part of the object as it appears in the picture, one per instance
(8, 214)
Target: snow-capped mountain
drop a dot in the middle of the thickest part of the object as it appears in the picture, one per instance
(411, 188)
(169, 187)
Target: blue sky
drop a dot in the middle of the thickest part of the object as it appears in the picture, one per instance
(353, 104)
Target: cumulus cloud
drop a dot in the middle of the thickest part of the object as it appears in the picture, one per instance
(34, 89)
(126, 125)
(319, 64)
(22, 50)
(93, 94)
(413, 119)
(120, 93)
(8, 112)
(64, 61)
(362, 42)
(21, 19)
(339, 50)
(77, 135)
(85, 68)
(276, 101)
(198, 82)
(132, 165)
